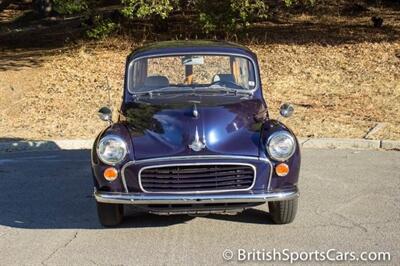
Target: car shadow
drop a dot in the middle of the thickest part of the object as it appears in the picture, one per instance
(53, 190)
(136, 218)
(253, 216)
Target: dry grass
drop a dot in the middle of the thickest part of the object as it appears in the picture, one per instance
(339, 88)
(339, 91)
(60, 98)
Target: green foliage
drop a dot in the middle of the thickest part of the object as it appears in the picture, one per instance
(211, 16)
(69, 7)
(305, 2)
(148, 8)
(101, 28)
(247, 11)
(288, 2)
(229, 15)
(214, 14)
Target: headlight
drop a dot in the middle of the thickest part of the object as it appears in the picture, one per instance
(111, 149)
(281, 145)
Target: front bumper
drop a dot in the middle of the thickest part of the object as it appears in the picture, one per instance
(151, 198)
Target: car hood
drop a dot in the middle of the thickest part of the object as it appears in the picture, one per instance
(162, 127)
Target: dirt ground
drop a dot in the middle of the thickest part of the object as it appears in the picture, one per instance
(341, 74)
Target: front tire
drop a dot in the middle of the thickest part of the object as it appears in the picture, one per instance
(110, 214)
(283, 212)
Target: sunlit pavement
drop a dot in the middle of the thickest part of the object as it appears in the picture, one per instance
(350, 201)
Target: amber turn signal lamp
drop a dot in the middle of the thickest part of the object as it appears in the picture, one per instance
(110, 174)
(282, 169)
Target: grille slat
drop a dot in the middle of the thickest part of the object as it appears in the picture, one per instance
(209, 184)
(191, 180)
(198, 175)
(187, 178)
(205, 169)
(178, 184)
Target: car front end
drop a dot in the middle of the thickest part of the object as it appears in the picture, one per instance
(193, 149)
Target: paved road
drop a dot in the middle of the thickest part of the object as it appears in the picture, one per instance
(350, 202)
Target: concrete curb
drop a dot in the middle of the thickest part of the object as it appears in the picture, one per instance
(321, 143)
(45, 145)
(333, 143)
(390, 145)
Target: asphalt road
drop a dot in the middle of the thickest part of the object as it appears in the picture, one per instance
(349, 202)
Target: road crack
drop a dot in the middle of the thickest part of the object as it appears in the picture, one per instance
(59, 248)
(354, 223)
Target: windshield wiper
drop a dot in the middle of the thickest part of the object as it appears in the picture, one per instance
(168, 89)
(194, 90)
(226, 90)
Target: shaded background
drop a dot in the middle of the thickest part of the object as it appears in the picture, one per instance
(337, 61)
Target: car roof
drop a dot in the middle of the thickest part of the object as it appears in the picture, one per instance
(197, 46)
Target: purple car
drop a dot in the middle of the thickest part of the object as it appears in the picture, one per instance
(194, 136)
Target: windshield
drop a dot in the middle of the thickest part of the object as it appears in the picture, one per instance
(180, 72)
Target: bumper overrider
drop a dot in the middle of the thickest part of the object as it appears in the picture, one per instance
(146, 199)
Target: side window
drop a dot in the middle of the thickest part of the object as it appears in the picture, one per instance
(139, 73)
(243, 72)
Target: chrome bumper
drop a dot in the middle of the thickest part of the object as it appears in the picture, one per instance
(145, 199)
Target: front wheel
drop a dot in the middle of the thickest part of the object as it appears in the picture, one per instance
(283, 212)
(110, 214)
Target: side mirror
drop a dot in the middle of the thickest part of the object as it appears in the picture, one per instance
(286, 110)
(105, 114)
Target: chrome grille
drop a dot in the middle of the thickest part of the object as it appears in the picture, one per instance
(197, 177)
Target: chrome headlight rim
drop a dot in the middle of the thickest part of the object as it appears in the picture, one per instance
(114, 137)
(275, 134)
